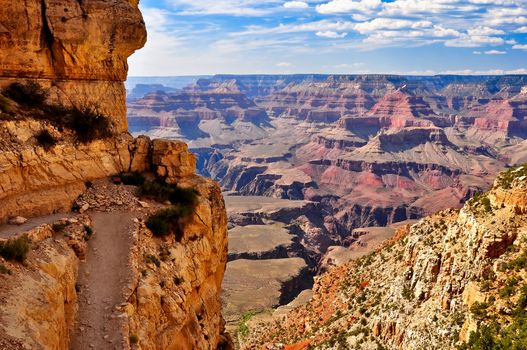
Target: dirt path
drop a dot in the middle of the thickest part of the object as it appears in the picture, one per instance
(7, 230)
(101, 281)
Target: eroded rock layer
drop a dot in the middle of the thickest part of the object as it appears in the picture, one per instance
(79, 49)
(431, 286)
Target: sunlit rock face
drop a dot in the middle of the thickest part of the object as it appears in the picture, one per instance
(78, 48)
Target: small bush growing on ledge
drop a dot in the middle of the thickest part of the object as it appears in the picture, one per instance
(59, 226)
(15, 249)
(169, 221)
(87, 124)
(4, 270)
(29, 94)
(132, 179)
(45, 139)
(134, 339)
(161, 192)
(153, 259)
(5, 106)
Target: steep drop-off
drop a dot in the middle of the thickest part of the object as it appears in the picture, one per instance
(62, 68)
(453, 278)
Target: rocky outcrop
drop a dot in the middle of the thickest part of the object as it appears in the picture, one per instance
(38, 181)
(429, 287)
(39, 298)
(77, 49)
(176, 305)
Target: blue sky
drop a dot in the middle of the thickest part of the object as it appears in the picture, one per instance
(199, 37)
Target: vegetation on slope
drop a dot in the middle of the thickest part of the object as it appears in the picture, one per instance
(167, 221)
(15, 249)
(85, 122)
(456, 279)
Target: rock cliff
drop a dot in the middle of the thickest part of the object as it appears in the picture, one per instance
(62, 68)
(39, 298)
(79, 49)
(453, 279)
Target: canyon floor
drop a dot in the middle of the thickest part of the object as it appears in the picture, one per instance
(326, 168)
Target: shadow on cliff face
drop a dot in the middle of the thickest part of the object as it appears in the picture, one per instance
(32, 103)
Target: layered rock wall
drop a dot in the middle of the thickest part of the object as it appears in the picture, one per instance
(39, 298)
(177, 305)
(77, 48)
(35, 181)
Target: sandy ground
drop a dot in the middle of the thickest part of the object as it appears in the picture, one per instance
(101, 280)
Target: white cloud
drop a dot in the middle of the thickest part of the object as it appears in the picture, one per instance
(284, 64)
(495, 52)
(484, 72)
(391, 24)
(296, 5)
(474, 41)
(330, 34)
(490, 52)
(348, 6)
(520, 47)
(484, 31)
(522, 30)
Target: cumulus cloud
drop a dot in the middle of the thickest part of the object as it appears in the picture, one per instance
(520, 47)
(474, 41)
(489, 27)
(391, 24)
(347, 6)
(330, 34)
(296, 5)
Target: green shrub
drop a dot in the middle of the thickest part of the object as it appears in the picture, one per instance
(88, 232)
(506, 178)
(169, 221)
(183, 196)
(89, 125)
(5, 106)
(485, 201)
(59, 226)
(4, 270)
(161, 191)
(518, 263)
(178, 280)
(132, 179)
(15, 249)
(159, 223)
(408, 294)
(243, 329)
(134, 339)
(29, 94)
(508, 289)
(496, 336)
(152, 259)
(45, 139)
(156, 190)
(479, 310)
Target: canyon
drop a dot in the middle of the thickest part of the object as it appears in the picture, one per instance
(80, 267)
(351, 153)
(453, 280)
(291, 211)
